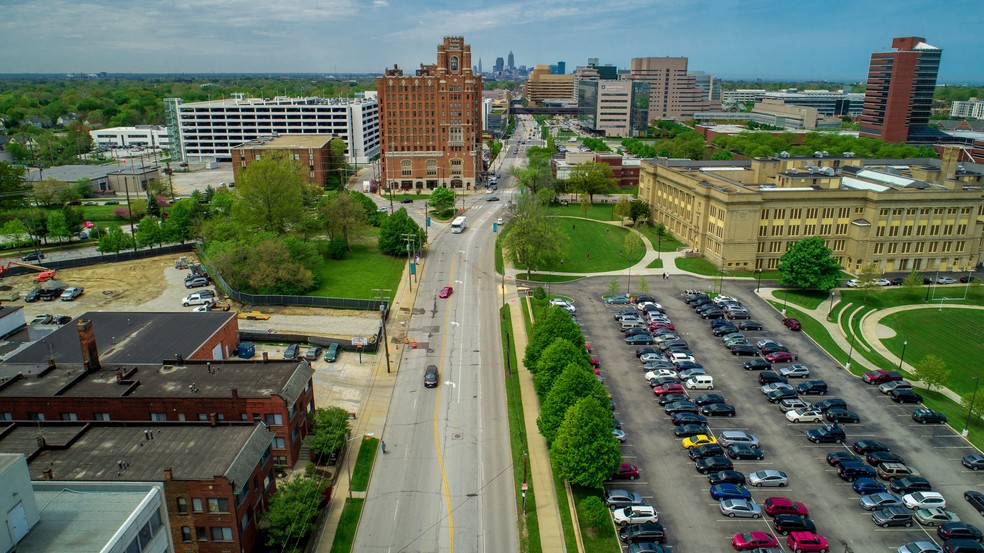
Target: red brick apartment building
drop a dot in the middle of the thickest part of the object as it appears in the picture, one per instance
(431, 123)
(899, 95)
(312, 152)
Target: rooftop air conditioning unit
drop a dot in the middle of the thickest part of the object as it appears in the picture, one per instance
(783, 154)
(818, 153)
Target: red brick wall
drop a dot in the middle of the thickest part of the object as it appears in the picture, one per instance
(228, 336)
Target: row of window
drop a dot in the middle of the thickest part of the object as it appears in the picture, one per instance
(920, 230)
(271, 419)
(146, 534)
(198, 505)
(216, 533)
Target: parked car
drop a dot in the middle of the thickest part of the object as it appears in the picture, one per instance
(713, 464)
(779, 357)
(865, 447)
(804, 415)
(616, 300)
(313, 353)
(651, 532)
(946, 280)
(71, 293)
(729, 491)
(635, 514)
(41, 319)
(290, 353)
(818, 387)
(842, 416)
(919, 547)
(887, 517)
(876, 458)
(905, 395)
(730, 437)
(887, 387)
(787, 524)
(726, 477)
(33, 296)
(792, 324)
(827, 404)
(959, 530)
(766, 377)
(835, 458)
(33, 256)
(768, 478)
(196, 282)
(935, 516)
(909, 485)
(865, 486)
(197, 298)
(749, 325)
(617, 498)
(626, 471)
(718, 410)
(924, 500)
(880, 500)
(332, 354)
(784, 506)
(974, 461)
(697, 440)
(798, 370)
(879, 376)
(51, 294)
(756, 365)
(741, 508)
(753, 540)
(826, 435)
(891, 471)
(745, 452)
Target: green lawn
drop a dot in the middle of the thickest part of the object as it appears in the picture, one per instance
(363, 464)
(667, 244)
(948, 334)
(600, 540)
(591, 247)
(883, 297)
(819, 333)
(598, 212)
(810, 299)
(347, 526)
(537, 277)
(655, 264)
(362, 270)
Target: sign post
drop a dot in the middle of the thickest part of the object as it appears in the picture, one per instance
(359, 342)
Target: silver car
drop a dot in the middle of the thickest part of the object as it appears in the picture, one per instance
(768, 477)
(887, 387)
(744, 508)
(773, 386)
(804, 415)
(728, 437)
(618, 498)
(919, 547)
(795, 371)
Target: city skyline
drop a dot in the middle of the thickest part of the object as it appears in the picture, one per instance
(735, 40)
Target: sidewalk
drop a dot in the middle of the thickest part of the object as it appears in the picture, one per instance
(541, 474)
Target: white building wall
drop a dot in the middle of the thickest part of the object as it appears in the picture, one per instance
(124, 137)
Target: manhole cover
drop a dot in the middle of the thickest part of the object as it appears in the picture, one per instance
(457, 436)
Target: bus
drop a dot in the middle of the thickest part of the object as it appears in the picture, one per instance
(458, 225)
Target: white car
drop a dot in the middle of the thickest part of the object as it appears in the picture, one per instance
(197, 299)
(619, 435)
(883, 282)
(768, 477)
(924, 500)
(658, 373)
(722, 299)
(681, 357)
(499, 221)
(649, 357)
(698, 383)
(853, 283)
(729, 437)
(804, 415)
(795, 371)
(635, 514)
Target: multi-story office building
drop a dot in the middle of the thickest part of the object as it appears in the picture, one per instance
(899, 96)
(559, 68)
(743, 95)
(312, 152)
(432, 123)
(974, 109)
(901, 215)
(824, 101)
(615, 108)
(152, 136)
(208, 131)
(542, 86)
(673, 93)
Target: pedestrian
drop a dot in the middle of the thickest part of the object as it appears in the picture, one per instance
(796, 357)
(588, 254)
(384, 446)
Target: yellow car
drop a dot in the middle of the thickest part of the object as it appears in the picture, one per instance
(698, 440)
(254, 316)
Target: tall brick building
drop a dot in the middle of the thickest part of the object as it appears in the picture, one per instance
(431, 123)
(673, 92)
(899, 96)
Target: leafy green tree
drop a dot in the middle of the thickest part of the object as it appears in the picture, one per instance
(149, 232)
(593, 178)
(292, 512)
(182, 219)
(638, 211)
(575, 383)
(392, 231)
(221, 202)
(913, 285)
(553, 361)
(115, 240)
(593, 513)
(68, 194)
(46, 192)
(343, 217)
(329, 430)
(442, 199)
(866, 279)
(660, 230)
(551, 324)
(613, 286)
(585, 451)
(808, 263)
(373, 215)
(74, 217)
(643, 285)
(15, 231)
(932, 371)
(532, 238)
(623, 209)
(270, 193)
(57, 226)
(537, 175)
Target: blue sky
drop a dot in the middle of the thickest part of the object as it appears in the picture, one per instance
(769, 39)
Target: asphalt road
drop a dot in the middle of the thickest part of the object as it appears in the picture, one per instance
(446, 482)
(668, 477)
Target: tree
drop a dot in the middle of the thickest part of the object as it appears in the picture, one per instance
(808, 263)
(553, 361)
(575, 383)
(14, 188)
(537, 174)
(343, 217)
(115, 240)
(643, 286)
(392, 231)
(533, 238)
(552, 323)
(623, 209)
(15, 231)
(632, 244)
(74, 217)
(270, 193)
(585, 451)
(293, 511)
(182, 219)
(58, 226)
(585, 205)
(47, 191)
(442, 199)
(613, 286)
(329, 431)
(638, 210)
(149, 232)
(932, 371)
(866, 279)
(913, 285)
(593, 513)
(593, 177)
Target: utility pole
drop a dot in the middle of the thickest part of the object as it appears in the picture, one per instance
(383, 308)
(410, 239)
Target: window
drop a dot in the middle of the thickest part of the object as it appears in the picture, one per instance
(69, 417)
(278, 443)
(921, 230)
(828, 212)
(934, 230)
(274, 419)
(196, 505)
(406, 170)
(35, 416)
(182, 503)
(244, 523)
(947, 246)
(221, 534)
(203, 416)
(893, 247)
(920, 247)
(842, 228)
(933, 247)
(186, 533)
(6, 416)
(100, 416)
(824, 229)
(201, 534)
(879, 248)
(907, 230)
(906, 248)
(158, 417)
(880, 231)
(893, 230)
(218, 505)
(811, 213)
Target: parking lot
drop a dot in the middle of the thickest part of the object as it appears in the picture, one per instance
(668, 477)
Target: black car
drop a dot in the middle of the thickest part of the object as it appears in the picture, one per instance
(687, 430)
(721, 330)
(680, 406)
(756, 365)
(927, 416)
(735, 314)
(743, 349)
(430, 376)
(646, 349)
(718, 410)
(959, 530)
(962, 546)
(51, 294)
(768, 377)
(966, 279)
(818, 387)
(830, 434)
(659, 381)
(842, 415)
(62, 319)
(749, 325)
(33, 256)
(835, 458)
(406, 201)
(313, 353)
(707, 399)
(896, 281)
(745, 452)
(667, 399)
(827, 404)
(687, 418)
(33, 295)
(976, 500)
(865, 447)
(775, 396)
(905, 395)
(793, 523)
(712, 314)
(721, 322)
(706, 450)
(910, 484)
(649, 532)
(727, 477)
(713, 464)
(876, 458)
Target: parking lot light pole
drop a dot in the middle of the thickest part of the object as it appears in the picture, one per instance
(902, 357)
(970, 408)
(758, 284)
(830, 310)
(850, 354)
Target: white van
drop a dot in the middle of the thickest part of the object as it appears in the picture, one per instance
(700, 382)
(633, 323)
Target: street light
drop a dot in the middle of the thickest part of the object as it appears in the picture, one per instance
(850, 354)
(905, 343)
(830, 310)
(970, 408)
(759, 283)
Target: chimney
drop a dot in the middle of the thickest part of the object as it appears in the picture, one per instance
(949, 160)
(49, 474)
(213, 419)
(235, 393)
(41, 442)
(266, 357)
(168, 475)
(87, 339)
(178, 359)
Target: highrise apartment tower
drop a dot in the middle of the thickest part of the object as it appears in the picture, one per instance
(673, 93)
(431, 123)
(899, 96)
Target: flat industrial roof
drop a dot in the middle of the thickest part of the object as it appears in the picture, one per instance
(284, 141)
(128, 338)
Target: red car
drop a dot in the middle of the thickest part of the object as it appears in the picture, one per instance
(669, 388)
(753, 540)
(792, 324)
(784, 506)
(626, 471)
(595, 362)
(660, 324)
(806, 541)
(880, 376)
(445, 292)
(779, 357)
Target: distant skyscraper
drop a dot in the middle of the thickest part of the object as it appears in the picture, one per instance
(899, 97)
(512, 61)
(559, 69)
(499, 65)
(479, 66)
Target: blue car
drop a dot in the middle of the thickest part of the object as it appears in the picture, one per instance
(866, 486)
(729, 491)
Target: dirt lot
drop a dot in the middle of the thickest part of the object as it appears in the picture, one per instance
(155, 285)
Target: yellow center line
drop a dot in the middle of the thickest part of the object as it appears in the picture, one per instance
(437, 404)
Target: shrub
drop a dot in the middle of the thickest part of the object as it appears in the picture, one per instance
(539, 293)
